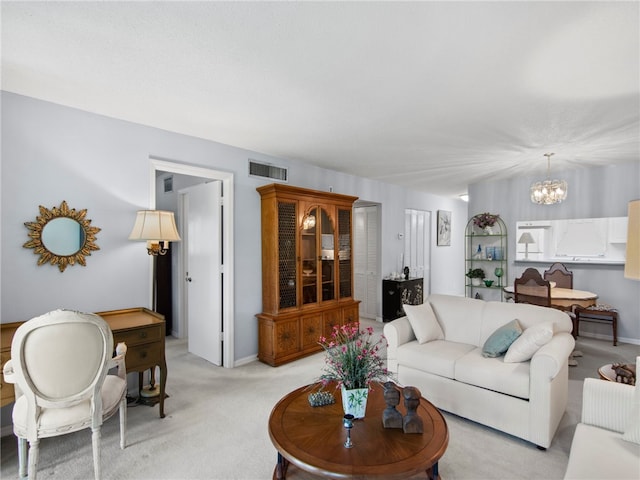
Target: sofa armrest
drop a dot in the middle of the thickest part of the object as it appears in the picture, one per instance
(552, 357)
(606, 404)
(397, 332)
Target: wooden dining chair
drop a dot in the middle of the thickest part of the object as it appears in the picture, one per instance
(532, 288)
(559, 274)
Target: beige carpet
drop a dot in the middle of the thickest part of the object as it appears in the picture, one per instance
(216, 428)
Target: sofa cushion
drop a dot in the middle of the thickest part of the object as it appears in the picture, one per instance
(423, 322)
(496, 314)
(500, 340)
(523, 348)
(437, 357)
(493, 374)
(459, 317)
(602, 454)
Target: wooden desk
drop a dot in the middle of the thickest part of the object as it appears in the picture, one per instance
(7, 394)
(141, 329)
(565, 298)
(312, 438)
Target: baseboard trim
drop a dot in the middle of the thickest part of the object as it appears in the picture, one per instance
(600, 336)
(243, 361)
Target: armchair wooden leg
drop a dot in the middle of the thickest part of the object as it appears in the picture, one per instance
(123, 422)
(22, 457)
(95, 441)
(34, 452)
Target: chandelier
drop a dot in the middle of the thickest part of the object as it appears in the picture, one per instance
(549, 191)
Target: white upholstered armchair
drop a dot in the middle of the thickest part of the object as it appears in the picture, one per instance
(606, 443)
(59, 364)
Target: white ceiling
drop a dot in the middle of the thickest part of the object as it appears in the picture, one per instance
(429, 95)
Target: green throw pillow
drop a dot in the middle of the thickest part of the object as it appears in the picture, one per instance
(500, 340)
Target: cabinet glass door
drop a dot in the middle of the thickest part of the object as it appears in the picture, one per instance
(327, 255)
(287, 253)
(344, 252)
(309, 256)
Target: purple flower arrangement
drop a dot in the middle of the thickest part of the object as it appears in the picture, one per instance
(484, 220)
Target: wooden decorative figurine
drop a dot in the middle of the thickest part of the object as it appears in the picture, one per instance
(412, 423)
(391, 418)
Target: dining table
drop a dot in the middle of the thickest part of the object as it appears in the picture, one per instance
(563, 298)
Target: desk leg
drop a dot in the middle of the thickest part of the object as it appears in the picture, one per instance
(163, 384)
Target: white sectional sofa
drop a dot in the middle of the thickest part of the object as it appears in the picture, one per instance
(606, 443)
(526, 399)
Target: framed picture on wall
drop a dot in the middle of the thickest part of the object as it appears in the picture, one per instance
(444, 228)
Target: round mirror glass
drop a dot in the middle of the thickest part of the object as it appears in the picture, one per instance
(63, 236)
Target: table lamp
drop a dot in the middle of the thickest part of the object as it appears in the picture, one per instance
(526, 238)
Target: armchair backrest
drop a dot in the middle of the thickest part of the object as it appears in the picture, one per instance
(532, 288)
(61, 358)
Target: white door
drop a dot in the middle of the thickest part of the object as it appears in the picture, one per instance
(417, 238)
(204, 271)
(365, 260)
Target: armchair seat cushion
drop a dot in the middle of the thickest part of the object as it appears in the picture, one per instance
(602, 454)
(53, 421)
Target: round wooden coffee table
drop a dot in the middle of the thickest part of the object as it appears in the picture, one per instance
(312, 438)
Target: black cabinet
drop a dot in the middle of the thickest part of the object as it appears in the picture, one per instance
(396, 293)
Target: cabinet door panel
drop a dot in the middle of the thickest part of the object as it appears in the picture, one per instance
(286, 337)
(311, 330)
(330, 319)
(350, 315)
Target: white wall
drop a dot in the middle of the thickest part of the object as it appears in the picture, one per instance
(593, 192)
(52, 153)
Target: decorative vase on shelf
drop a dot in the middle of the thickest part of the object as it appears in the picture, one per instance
(354, 401)
(488, 230)
(476, 282)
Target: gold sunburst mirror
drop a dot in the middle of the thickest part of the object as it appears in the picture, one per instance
(62, 236)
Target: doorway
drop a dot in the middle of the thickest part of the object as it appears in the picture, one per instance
(366, 259)
(226, 244)
(417, 241)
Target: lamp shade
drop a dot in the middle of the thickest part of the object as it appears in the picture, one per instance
(526, 238)
(155, 225)
(632, 261)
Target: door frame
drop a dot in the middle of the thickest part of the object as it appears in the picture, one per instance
(228, 293)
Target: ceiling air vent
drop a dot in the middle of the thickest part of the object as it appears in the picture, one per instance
(266, 170)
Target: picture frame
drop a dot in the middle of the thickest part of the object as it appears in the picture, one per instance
(444, 228)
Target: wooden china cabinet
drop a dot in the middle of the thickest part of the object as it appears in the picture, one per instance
(307, 270)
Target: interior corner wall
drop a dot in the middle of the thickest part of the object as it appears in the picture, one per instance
(593, 192)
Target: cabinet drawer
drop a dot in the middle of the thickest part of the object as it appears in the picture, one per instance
(144, 356)
(138, 335)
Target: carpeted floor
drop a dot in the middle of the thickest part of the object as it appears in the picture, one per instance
(216, 427)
